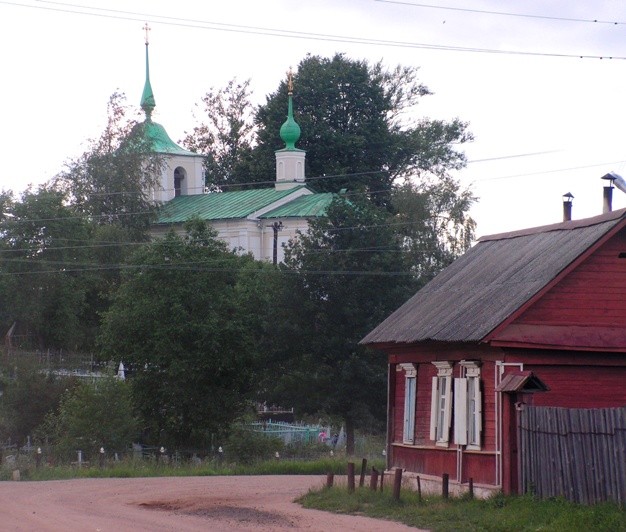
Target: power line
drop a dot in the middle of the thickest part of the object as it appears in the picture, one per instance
(502, 13)
(275, 32)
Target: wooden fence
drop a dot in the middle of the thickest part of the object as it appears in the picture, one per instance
(579, 454)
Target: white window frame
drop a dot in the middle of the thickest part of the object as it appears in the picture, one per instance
(468, 406)
(441, 404)
(410, 396)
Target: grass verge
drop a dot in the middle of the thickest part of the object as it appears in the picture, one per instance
(146, 468)
(499, 513)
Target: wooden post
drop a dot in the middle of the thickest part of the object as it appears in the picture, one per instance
(444, 485)
(330, 479)
(363, 468)
(382, 478)
(471, 488)
(419, 488)
(374, 479)
(397, 484)
(350, 477)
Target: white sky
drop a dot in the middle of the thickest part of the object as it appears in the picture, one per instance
(563, 116)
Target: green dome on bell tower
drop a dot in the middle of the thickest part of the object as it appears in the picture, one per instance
(290, 130)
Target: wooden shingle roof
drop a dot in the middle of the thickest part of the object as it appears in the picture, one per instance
(480, 290)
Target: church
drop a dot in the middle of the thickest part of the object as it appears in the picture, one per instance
(259, 221)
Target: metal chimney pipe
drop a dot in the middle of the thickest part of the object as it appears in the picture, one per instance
(607, 197)
(567, 206)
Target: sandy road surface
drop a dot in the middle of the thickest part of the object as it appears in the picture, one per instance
(174, 504)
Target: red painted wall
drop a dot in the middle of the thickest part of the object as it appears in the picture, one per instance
(594, 294)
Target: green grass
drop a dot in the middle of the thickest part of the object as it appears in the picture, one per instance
(500, 513)
(147, 468)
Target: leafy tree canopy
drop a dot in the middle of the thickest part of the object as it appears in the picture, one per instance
(183, 323)
(92, 415)
(43, 251)
(110, 183)
(359, 122)
(340, 280)
(227, 138)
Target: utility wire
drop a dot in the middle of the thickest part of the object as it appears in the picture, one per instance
(253, 30)
(502, 13)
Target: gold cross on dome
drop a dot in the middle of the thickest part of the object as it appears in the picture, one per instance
(147, 29)
(290, 81)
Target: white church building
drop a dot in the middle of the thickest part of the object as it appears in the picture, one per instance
(256, 220)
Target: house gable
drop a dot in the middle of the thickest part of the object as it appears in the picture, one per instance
(487, 288)
(584, 310)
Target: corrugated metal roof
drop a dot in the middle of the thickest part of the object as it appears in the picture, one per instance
(309, 206)
(478, 291)
(220, 205)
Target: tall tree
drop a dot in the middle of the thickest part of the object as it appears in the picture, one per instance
(432, 219)
(340, 280)
(111, 181)
(226, 138)
(360, 127)
(177, 322)
(43, 253)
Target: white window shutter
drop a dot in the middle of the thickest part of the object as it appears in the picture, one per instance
(460, 411)
(409, 410)
(433, 409)
(447, 419)
(479, 410)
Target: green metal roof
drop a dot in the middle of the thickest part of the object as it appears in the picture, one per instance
(310, 206)
(159, 141)
(220, 205)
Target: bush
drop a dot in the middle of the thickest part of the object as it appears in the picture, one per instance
(246, 446)
(92, 415)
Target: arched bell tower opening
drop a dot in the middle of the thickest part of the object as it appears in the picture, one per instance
(180, 185)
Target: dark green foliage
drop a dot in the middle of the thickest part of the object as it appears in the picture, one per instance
(340, 280)
(357, 127)
(182, 323)
(244, 446)
(28, 395)
(92, 415)
(110, 183)
(42, 252)
(226, 139)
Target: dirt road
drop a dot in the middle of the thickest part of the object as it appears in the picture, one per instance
(172, 504)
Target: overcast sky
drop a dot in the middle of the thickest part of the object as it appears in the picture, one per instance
(546, 121)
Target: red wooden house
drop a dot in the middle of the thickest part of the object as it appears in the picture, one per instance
(533, 317)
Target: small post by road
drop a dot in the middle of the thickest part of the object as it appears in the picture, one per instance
(444, 485)
(397, 484)
(363, 468)
(330, 479)
(374, 479)
(350, 477)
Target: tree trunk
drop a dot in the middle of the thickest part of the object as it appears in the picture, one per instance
(349, 437)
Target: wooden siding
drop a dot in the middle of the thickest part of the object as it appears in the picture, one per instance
(480, 467)
(581, 386)
(574, 453)
(586, 309)
(432, 461)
